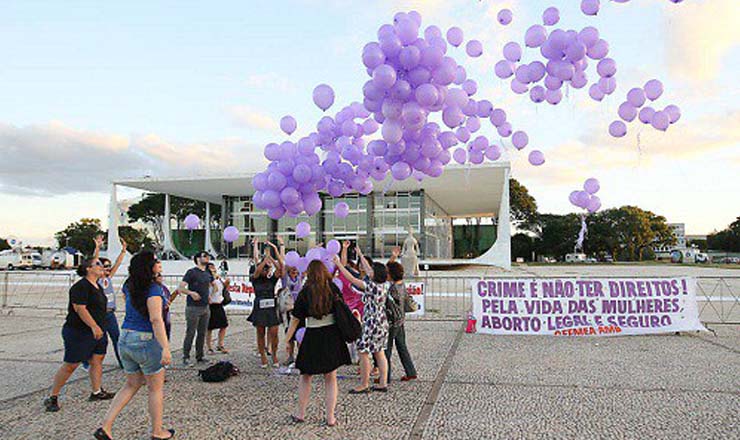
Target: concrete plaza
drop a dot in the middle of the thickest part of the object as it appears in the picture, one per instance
(471, 386)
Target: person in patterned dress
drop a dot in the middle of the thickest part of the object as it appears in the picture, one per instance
(374, 321)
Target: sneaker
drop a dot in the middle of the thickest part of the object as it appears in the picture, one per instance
(100, 395)
(186, 362)
(51, 404)
(202, 360)
(85, 366)
(408, 378)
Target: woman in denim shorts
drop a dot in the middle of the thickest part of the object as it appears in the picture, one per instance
(143, 345)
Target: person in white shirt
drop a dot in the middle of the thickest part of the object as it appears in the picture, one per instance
(218, 314)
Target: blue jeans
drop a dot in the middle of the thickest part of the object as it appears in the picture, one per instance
(111, 328)
(140, 352)
(398, 335)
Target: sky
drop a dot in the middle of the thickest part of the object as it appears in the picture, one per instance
(95, 92)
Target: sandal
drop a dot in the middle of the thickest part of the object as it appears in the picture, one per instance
(222, 349)
(381, 389)
(100, 434)
(363, 391)
(295, 419)
(172, 434)
(330, 425)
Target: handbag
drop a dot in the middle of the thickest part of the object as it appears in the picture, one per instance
(285, 300)
(227, 297)
(349, 326)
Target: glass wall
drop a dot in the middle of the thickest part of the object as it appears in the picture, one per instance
(354, 227)
(393, 214)
(252, 223)
(378, 223)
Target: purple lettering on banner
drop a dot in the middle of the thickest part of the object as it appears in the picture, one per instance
(481, 288)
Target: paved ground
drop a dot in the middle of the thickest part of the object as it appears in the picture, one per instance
(472, 386)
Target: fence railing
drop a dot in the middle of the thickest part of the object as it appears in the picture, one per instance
(446, 297)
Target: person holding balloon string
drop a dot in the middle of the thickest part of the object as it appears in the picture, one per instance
(264, 278)
(292, 285)
(217, 320)
(375, 323)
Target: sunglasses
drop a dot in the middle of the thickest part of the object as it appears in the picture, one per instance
(107, 266)
(97, 263)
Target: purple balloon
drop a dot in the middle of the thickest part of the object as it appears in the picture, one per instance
(599, 50)
(535, 36)
(518, 87)
(452, 116)
(573, 197)
(636, 97)
(498, 117)
(536, 158)
(674, 113)
(391, 131)
(384, 76)
(608, 85)
(575, 51)
(588, 36)
(537, 94)
(288, 124)
(426, 95)
(276, 213)
(492, 153)
(372, 57)
(653, 89)
(292, 259)
(323, 96)
(617, 129)
(400, 171)
(520, 139)
(289, 196)
(627, 112)
(231, 234)
(302, 230)
(590, 7)
(646, 115)
(474, 48)
(606, 68)
(333, 247)
(553, 96)
(661, 120)
(504, 69)
(551, 16)
(460, 155)
(504, 130)
(594, 204)
(512, 52)
(505, 16)
(341, 210)
(455, 36)
(582, 199)
(522, 74)
(579, 80)
(470, 87)
(191, 222)
(591, 185)
(409, 57)
(553, 82)
(595, 92)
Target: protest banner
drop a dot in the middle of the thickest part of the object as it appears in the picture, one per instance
(585, 307)
(242, 295)
(417, 292)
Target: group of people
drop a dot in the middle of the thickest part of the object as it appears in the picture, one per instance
(305, 304)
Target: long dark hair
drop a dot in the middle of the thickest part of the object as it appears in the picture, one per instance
(140, 280)
(318, 283)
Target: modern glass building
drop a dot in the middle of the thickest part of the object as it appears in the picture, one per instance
(378, 222)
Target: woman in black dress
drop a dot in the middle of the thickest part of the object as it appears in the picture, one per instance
(322, 350)
(264, 316)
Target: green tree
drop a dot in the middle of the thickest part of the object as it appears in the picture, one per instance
(522, 206)
(137, 239)
(4, 244)
(727, 240)
(150, 210)
(627, 233)
(556, 234)
(79, 235)
(522, 246)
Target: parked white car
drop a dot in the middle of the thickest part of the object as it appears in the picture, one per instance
(12, 259)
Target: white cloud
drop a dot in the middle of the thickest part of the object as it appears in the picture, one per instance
(270, 81)
(699, 36)
(54, 158)
(249, 117)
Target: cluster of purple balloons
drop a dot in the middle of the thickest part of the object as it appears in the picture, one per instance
(586, 198)
(591, 7)
(565, 55)
(323, 254)
(412, 77)
(632, 109)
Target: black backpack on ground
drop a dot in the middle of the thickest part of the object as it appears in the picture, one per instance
(218, 372)
(349, 326)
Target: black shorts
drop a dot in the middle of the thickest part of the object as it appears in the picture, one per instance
(81, 345)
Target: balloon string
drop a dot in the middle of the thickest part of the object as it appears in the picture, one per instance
(581, 234)
(387, 186)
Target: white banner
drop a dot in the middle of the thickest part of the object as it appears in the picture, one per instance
(585, 307)
(417, 292)
(242, 296)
